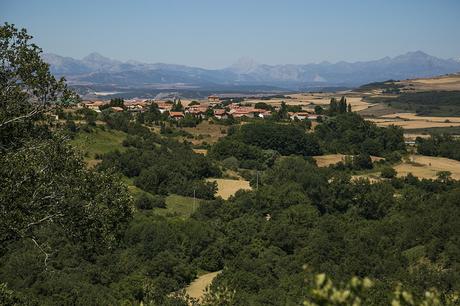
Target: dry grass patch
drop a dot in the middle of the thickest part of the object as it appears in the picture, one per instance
(206, 132)
(329, 159)
(226, 187)
(201, 151)
(428, 166)
(332, 159)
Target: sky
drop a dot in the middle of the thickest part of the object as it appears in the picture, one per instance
(216, 33)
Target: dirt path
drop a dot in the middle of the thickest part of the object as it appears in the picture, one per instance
(197, 288)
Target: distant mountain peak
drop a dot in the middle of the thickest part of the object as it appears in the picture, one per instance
(98, 58)
(244, 65)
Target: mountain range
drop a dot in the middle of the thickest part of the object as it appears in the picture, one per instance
(96, 69)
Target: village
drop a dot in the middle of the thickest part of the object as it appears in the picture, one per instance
(215, 106)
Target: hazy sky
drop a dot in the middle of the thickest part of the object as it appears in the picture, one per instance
(215, 33)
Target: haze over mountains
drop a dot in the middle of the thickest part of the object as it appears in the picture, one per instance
(96, 69)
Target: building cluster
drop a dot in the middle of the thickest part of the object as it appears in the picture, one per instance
(212, 106)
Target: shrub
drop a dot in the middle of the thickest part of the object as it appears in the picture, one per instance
(388, 172)
(231, 163)
(147, 201)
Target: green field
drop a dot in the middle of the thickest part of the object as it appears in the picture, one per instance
(178, 206)
(98, 142)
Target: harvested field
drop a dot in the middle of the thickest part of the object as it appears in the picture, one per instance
(413, 116)
(449, 82)
(412, 124)
(226, 187)
(197, 288)
(377, 110)
(427, 166)
(309, 100)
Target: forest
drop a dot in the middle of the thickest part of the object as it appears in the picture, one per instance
(77, 235)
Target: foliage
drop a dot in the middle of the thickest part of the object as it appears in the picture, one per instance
(439, 145)
(284, 138)
(147, 201)
(388, 172)
(351, 134)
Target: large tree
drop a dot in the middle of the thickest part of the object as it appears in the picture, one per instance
(44, 184)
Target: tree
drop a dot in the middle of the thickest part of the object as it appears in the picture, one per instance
(25, 77)
(283, 111)
(388, 172)
(362, 161)
(319, 110)
(333, 107)
(342, 105)
(177, 106)
(44, 182)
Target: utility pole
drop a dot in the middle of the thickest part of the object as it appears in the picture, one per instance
(194, 199)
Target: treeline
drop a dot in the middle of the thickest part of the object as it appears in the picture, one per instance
(439, 145)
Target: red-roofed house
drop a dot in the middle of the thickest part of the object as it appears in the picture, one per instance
(176, 115)
(220, 113)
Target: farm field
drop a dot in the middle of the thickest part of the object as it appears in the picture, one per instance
(310, 100)
(197, 288)
(413, 124)
(226, 187)
(413, 116)
(449, 82)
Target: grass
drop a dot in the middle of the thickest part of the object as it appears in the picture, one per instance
(98, 142)
(179, 206)
(176, 205)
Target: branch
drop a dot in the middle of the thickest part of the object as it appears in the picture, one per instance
(43, 220)
(31, 114)
(43, 251)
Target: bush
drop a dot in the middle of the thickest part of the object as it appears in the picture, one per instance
(388, 172)
(362, 161)
(231, 163)
(147, 201)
